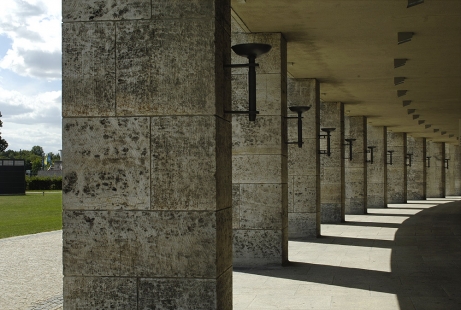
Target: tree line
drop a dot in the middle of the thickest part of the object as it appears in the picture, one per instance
(34, 159)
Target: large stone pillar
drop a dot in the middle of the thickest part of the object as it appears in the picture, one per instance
(304, 163)
(147, 185)
(332, 167)
(259, 158)
(397, 169)
(453, 172)
(416, 173)
(456, 164)
(377, 171)
(435, 173)
(355, 168)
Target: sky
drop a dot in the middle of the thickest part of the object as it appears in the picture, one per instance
(30, 74)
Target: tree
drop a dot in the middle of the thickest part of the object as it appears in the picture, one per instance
(37, 150)
(3, 143)
(36, 166)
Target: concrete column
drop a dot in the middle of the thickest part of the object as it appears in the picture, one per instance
(332, 167)
(304, 163)
(147, 201)
(259, 158)
(416, 173)
(355, 168)
(397, 171)
(377, 171)
(435, 174)
(456, 164)
(453, 171)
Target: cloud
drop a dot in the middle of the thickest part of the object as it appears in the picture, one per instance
(34, 26)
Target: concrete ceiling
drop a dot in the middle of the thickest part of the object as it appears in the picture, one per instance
(350, 47)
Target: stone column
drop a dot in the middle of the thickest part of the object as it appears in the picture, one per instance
(397, 171)
(304, 163)
(147, 189)
(259, 158)
(435, 174)
(355, 168)
(332, 167)
(456, 164)
(377, 171)
(416, 173)
(453, 171)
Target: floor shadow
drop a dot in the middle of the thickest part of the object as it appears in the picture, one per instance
(348, 241)
(372, 224)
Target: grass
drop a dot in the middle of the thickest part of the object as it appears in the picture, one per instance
(31, 213)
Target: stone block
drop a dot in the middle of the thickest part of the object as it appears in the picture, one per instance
(125, 243)
(92, 10)
(302, 161)
(330, 212)
(236, 206)
(146, 48)
(330, 175)
(375, 189)
(257, 247)
(185, 156)
(290, 193)
(88, 66)
(100, 293)
(355, 205)
(262, 206)
(305, 194)
(375, 201)
(303, 225)
(108, 163)
(354, 189)
(263, 136)
(330, 193)
(335, 160)
(258, 169)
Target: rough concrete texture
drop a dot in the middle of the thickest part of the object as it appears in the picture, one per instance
(456, 164)
(397, 171)
(355, 127)
(453, 172)
(377, 171)
(416, 173)
(148, 189)
(304, 163)
(332, 167)
(435, 174)
(259, 158)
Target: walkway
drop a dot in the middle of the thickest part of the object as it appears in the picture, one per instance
(404, 257)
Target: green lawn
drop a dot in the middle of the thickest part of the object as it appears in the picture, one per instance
(33, 213)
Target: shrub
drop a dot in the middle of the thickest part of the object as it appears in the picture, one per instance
(43, 183)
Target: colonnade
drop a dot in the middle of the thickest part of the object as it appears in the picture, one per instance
(165, 191)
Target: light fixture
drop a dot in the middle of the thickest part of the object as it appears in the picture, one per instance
(327, 136)
(389, 153)
(411, 111)
(349, 143)
(408, 163)
(414, 2)
(400, 62)
(399, 80)
(370, 151)
(299, 110)
(250, 51)
(446, 163)
(403, 37)
(428, 161)
(401, 93)
(406, 103)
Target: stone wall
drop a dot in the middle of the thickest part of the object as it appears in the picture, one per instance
(377, 171)
(435, 174)
(397, 169)
(416, 173)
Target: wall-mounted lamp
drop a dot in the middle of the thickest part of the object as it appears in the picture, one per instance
(428, 161)
(389, 153)
(299, 110)
(349, 143)
(250, 51)
(403, 37)
(370, 151)
(446, 163)
(414, 2)
(408, 163)
(327, 136)
(399, 80)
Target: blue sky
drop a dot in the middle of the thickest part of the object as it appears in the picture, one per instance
(30, 73)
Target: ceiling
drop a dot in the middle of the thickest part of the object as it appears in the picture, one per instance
(350, 47)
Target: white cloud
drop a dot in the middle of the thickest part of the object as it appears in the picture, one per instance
(34, 26)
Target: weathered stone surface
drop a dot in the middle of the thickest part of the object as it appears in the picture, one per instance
(377, 171)
(305, 193)
(331, 213)
(146, 48)
(257, 247)
(259, 169)
(92, 10)
(185, 154)
(108, 163)
(435, 174)
(100, 293)
(126, 243)
(303, 225)
(397, 172)
(301, 161)
(88, 69)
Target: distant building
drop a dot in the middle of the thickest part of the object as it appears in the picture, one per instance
(12, 177)
(55, 170)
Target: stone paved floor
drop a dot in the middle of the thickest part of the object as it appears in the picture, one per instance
(407, 256)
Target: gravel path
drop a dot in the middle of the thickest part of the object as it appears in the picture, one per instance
(31, 272)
